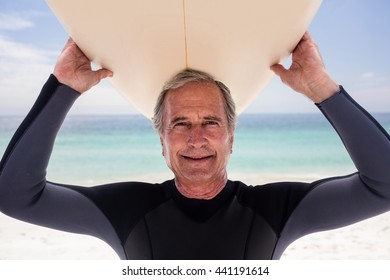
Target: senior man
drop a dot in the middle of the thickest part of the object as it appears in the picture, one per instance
(199, 214)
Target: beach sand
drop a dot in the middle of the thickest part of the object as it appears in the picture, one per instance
(369, 239)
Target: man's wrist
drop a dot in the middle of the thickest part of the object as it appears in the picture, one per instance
(325, 91)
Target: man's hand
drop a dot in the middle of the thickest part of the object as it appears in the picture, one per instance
(73, 69)
(307, 73)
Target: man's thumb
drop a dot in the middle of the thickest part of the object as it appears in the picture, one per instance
(278, 69)
(104, 73)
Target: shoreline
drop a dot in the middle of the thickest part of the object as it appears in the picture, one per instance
(248, 178)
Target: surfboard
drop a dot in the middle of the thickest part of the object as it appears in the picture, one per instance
(146, 42)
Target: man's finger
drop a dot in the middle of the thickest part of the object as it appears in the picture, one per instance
(105, 73)
(102, 74)
(278, 69)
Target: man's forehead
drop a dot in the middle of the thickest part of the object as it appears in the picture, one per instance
(195, 93)
(201, 100)
(200, 103)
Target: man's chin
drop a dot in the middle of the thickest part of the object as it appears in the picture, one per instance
(201, 175)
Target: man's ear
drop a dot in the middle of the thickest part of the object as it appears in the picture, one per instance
(231, 140)
(162, 146)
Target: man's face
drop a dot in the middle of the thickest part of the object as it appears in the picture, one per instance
(196, 140)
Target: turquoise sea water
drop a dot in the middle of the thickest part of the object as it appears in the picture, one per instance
(99, 149)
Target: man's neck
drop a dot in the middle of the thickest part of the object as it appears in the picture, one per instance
(205, 191)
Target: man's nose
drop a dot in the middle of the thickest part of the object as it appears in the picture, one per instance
(197, 136)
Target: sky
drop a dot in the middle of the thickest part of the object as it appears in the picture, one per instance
(352, 35)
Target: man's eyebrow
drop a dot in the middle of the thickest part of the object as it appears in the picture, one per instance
(206, 118)
(178, 119)
(212, 118)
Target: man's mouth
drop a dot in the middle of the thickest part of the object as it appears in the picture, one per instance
(197, 158)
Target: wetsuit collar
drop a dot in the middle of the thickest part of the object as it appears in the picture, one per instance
(201, 210)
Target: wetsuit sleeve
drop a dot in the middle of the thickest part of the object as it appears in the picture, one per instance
(24, 192)
(341, 201)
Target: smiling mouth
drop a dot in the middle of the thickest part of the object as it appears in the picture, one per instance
(196, 158)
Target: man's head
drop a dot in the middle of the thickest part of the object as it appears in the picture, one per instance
(193, 76)
(195, 118)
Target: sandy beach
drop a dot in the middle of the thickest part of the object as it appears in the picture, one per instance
(369, 239)
(365, 240)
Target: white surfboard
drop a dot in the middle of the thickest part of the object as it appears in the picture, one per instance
(145, 42)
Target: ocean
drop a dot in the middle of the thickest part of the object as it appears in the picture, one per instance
(92, 149)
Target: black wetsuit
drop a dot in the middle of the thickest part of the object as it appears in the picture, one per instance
(154, 221)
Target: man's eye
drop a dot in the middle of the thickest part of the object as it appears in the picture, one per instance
(212, 123)
(181, 124)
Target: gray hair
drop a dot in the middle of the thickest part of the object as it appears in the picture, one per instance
(181, 79)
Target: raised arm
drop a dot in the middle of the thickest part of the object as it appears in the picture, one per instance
(338, 201)
(24, 192)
